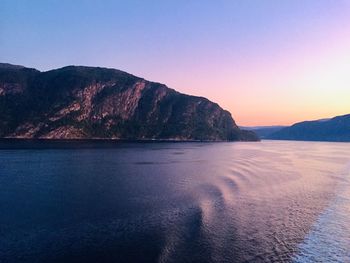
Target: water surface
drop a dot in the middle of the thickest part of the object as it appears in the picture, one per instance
(271, 201)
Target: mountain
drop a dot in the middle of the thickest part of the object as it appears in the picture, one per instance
(336, 129)
(263, 131)
(92, 102)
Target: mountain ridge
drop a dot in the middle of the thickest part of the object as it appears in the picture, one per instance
(75, 102)
(336, 129)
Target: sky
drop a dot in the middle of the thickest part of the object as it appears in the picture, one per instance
(268, 62)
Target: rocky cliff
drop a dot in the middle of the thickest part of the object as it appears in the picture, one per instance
(89, 102)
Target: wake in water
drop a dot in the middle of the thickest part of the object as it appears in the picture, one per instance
(329, 240)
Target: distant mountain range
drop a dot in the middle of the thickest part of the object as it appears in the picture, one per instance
(263, 131)
(336, 129)
(77, 102)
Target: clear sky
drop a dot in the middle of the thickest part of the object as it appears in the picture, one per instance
(266, 61)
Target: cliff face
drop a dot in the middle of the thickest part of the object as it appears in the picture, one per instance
(336, 129)
(86, 102)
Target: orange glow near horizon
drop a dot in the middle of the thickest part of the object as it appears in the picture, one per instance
(320, 89)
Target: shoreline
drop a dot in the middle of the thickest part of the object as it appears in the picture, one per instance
(44, 143)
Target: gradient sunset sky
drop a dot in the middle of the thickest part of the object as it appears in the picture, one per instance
(267, 62)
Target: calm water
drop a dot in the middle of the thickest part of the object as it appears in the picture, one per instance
(271, 201)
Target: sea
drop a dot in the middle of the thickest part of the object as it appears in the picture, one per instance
(110, 201)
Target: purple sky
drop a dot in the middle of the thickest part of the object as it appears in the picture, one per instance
(267, 62)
